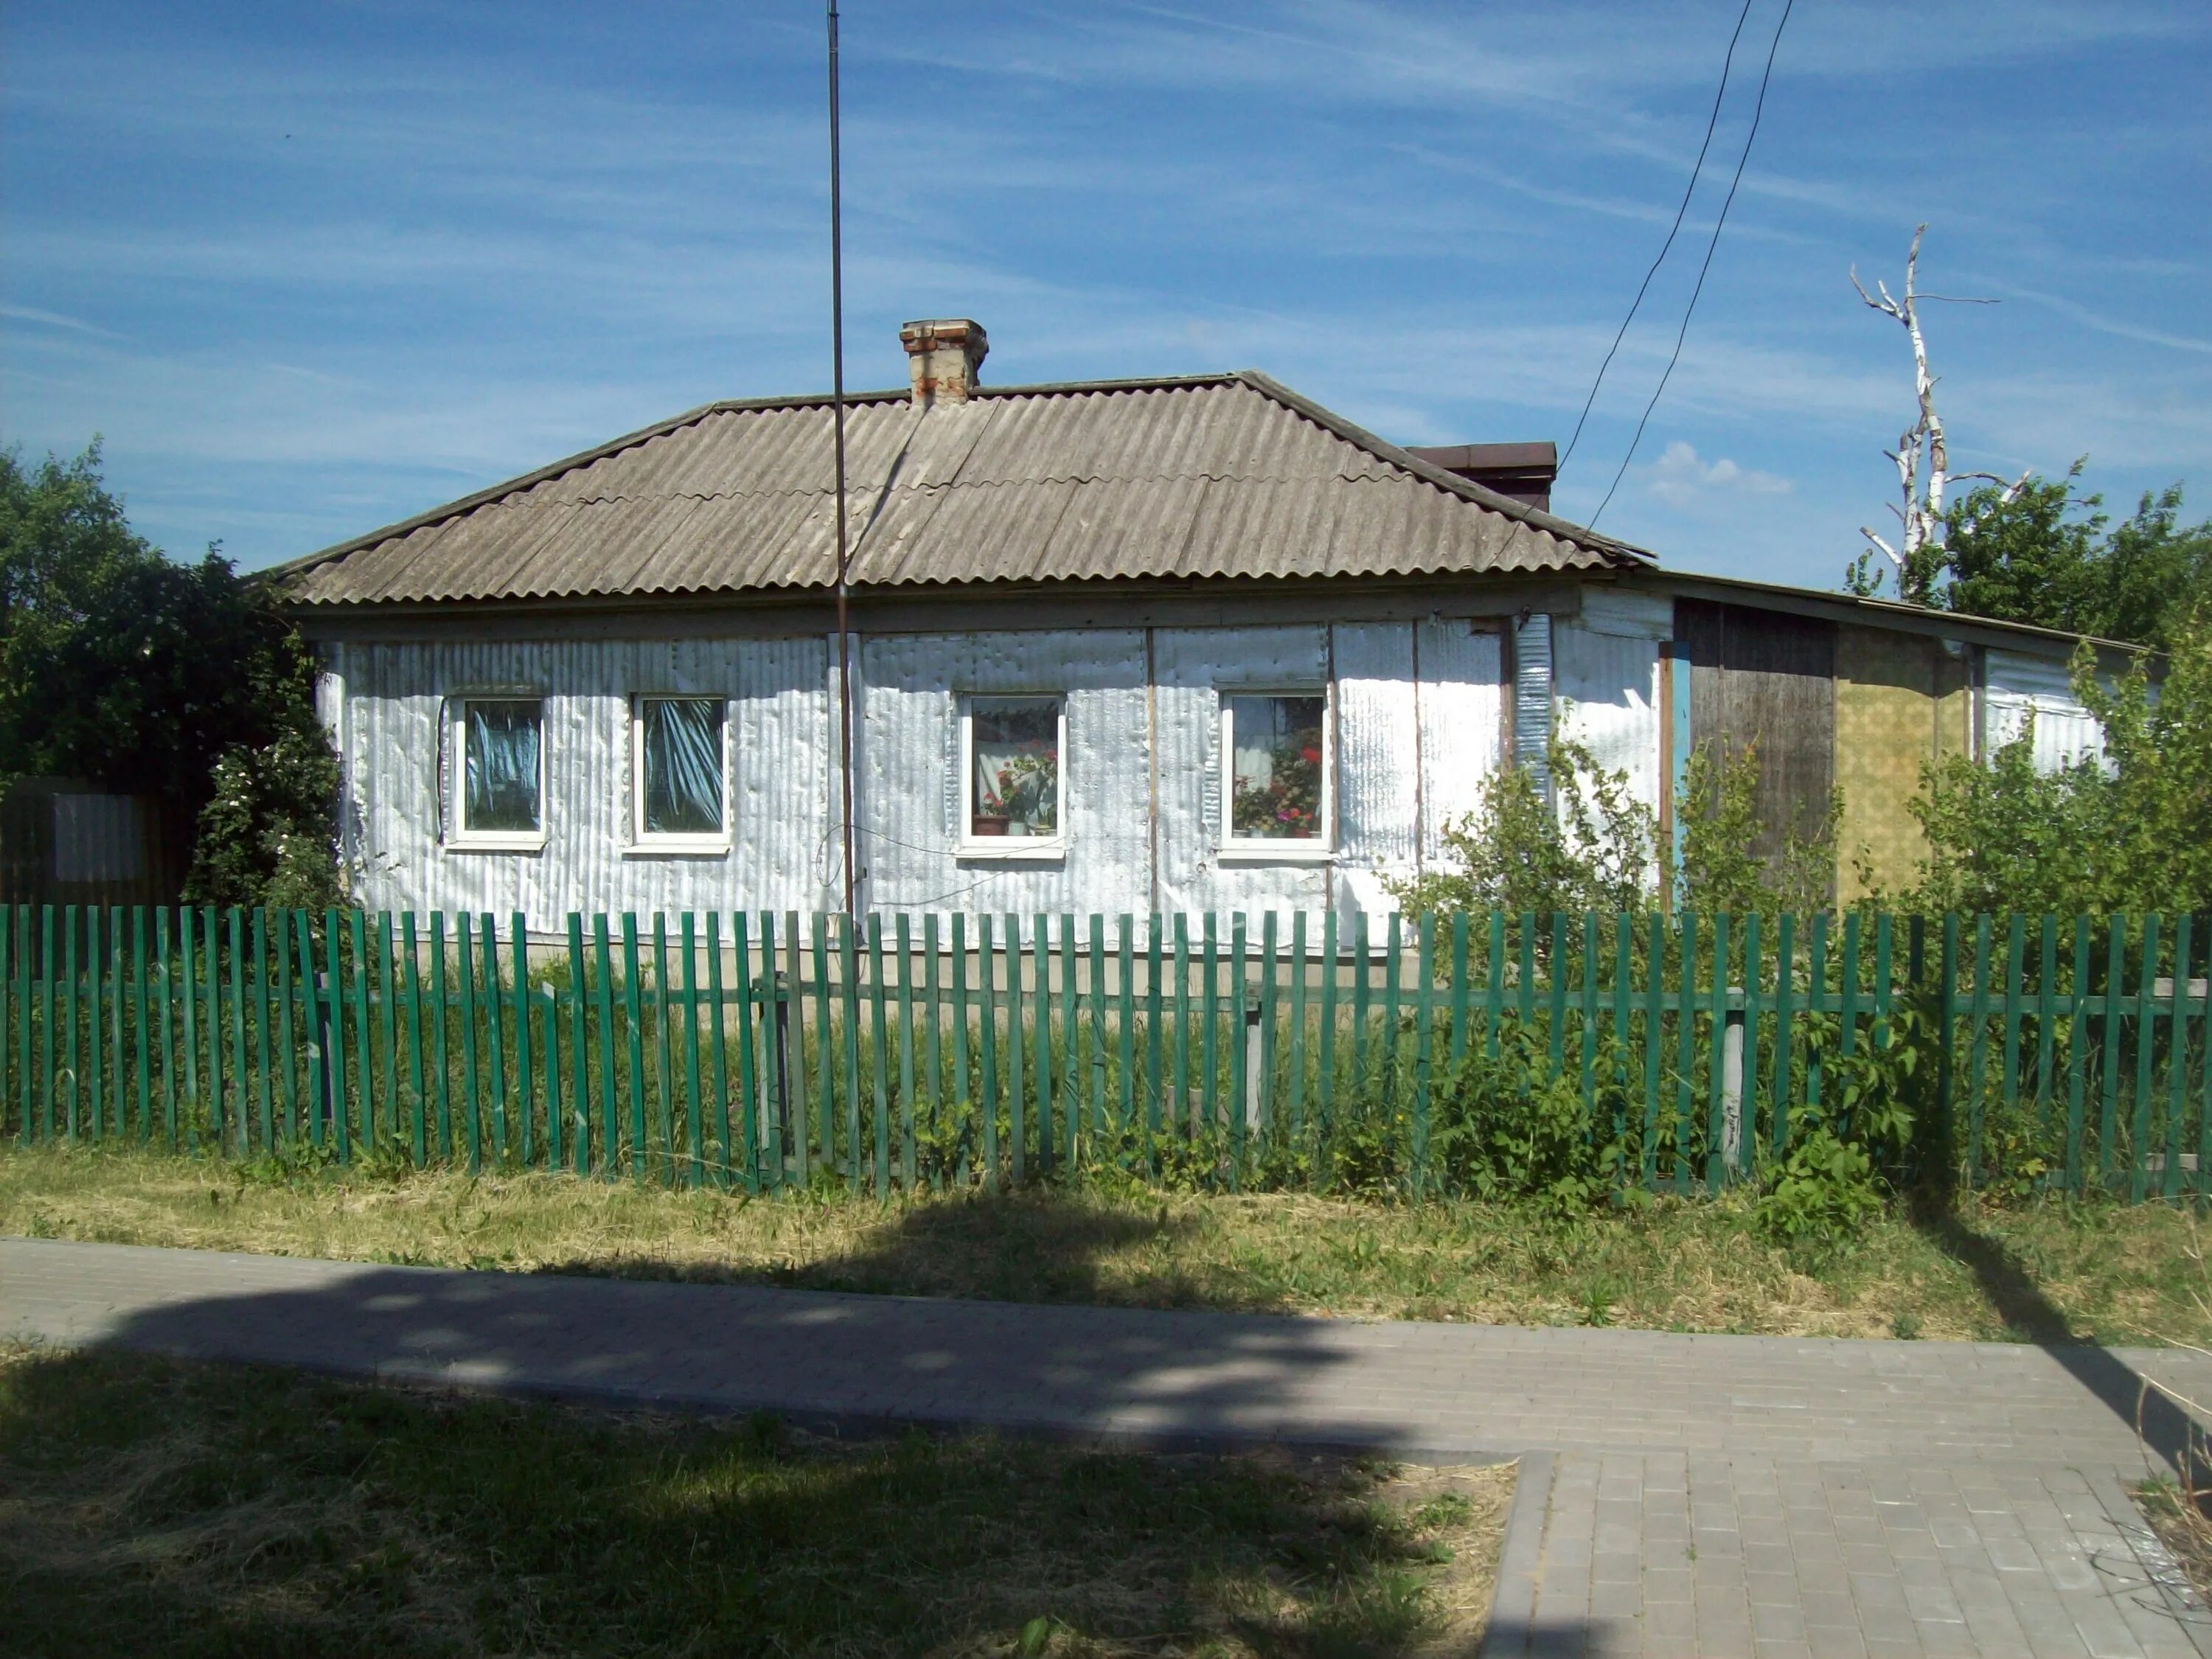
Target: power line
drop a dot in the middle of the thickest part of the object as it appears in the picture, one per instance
(1757, 110)
(1712, 121)
(838, 406)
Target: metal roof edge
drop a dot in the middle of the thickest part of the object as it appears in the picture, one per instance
(1918, 618)
(1136, 383)
(1429, 472)
(932, 595)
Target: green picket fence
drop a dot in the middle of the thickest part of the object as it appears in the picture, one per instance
(760, 1050)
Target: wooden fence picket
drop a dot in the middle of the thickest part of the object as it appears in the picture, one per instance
(1702, 1048)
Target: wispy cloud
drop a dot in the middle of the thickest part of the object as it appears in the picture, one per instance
(38, 318)
(1679, 478)
(2103, 323)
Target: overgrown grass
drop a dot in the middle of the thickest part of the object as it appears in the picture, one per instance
(2038, 1271)
(152, 1507)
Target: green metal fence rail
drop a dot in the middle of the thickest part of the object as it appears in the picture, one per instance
(759, 1050)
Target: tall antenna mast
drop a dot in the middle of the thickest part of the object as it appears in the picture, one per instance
(837, 411)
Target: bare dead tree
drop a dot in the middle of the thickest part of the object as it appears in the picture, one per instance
(1922, 456)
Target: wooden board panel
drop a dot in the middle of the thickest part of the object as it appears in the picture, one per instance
(1766, 680)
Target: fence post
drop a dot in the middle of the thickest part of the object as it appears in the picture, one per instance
(1947, 1013)
(1731, 1063)
(322, 1083)
(1254, 1072)
(1718, 1158)
(1240, 1058)
(2177, 1053)
(781, 990)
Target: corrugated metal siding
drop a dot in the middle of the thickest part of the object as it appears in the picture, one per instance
(1190, 667)
(785, 835)
(1378, 746)
(1607, 688)
(1219, 478)
(64, 841)
(1462, 723)
(1532, 698)
(909, 743)
(99, 838)
(388, 703)
(2017, 688)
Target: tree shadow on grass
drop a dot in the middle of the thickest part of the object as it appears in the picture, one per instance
(2165, 1428)
(1035, 1245)
(161, 1508)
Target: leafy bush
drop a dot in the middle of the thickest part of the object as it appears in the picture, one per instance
(1597, 847)
(2126, 836)
(1824, 1192)
(1847, 1155)
(1508, 1126)
(267, 835)
(1722, 870)
(2042, 553)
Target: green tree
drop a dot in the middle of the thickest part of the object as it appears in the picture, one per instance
(144, 676)
(2042, 553)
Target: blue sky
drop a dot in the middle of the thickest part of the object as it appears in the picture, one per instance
(313, 268)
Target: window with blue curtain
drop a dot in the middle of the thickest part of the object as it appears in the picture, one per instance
(500, 764)
(680, 763)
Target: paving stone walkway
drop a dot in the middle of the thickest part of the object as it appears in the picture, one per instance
(1710, 1496)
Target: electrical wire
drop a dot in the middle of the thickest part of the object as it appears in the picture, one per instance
(1756, 111)
(1727, 64)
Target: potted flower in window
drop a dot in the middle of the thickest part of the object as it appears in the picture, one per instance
(1287, 803)
(1029, 786)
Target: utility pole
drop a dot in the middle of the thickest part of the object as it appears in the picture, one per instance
(837, 413)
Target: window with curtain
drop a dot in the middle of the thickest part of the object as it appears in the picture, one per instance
(1013, 767)
(679, 766)
(500, 765)
(1276, 751)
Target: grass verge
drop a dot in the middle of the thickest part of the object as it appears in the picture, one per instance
(149, 1506)
(2040, 1271)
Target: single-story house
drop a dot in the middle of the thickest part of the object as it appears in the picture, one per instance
(1181, 644)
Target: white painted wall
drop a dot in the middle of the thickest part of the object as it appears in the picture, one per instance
(1141, 791)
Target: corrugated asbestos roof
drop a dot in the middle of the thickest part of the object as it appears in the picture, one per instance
(1206, 476)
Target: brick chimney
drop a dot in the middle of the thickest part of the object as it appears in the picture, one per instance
(942, 356)
(1524, 472)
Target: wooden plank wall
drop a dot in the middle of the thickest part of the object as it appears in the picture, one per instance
(1768, 679)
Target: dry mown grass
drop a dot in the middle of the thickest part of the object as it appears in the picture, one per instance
(152, 1507)
(2038, 1270)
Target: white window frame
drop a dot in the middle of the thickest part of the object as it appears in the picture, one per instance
(463, 838)
(640, 840)
(1010, 849)
(1275, 849)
